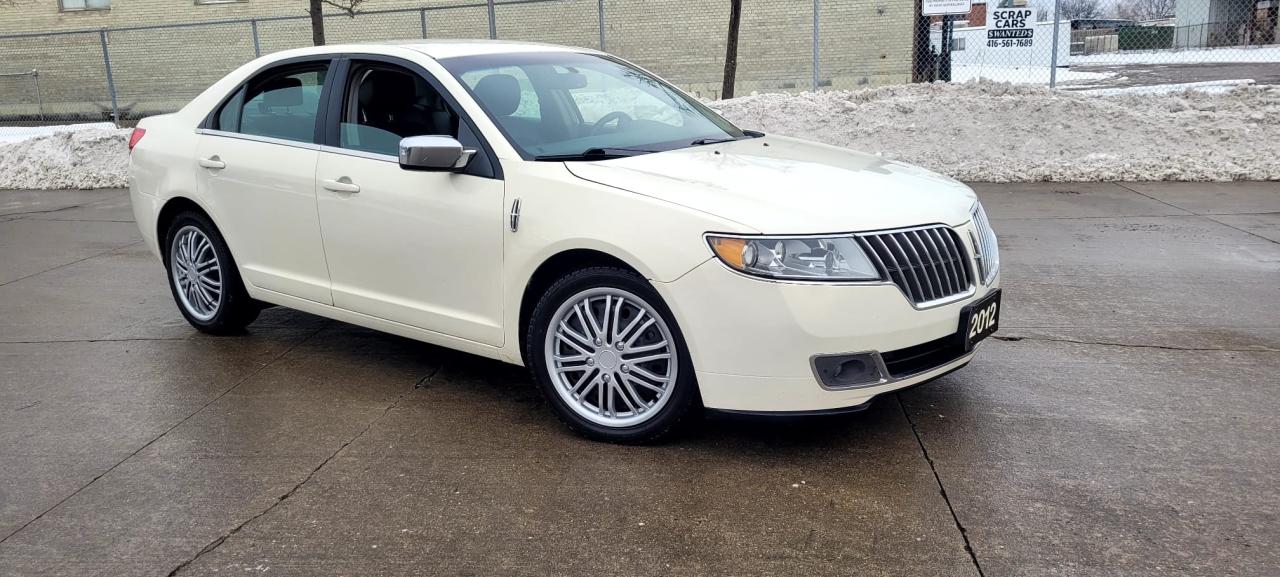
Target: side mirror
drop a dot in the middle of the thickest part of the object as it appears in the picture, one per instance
(437, 153)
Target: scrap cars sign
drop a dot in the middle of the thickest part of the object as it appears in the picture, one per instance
(1010, 24)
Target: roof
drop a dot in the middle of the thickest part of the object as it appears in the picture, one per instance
(452, 48)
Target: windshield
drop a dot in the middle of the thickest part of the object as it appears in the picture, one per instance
(560, 105)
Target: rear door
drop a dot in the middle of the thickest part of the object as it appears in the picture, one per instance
(256, 170)
(419, 248)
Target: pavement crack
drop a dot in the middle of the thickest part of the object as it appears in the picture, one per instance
(81, 341)
(158, 437)
(213, 545)
(1252, 349)
(30, 212)
(964, 534)
(93, 256)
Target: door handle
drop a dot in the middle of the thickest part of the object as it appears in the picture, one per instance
(343, 184)
(213, 162)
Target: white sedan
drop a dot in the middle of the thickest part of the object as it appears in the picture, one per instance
(563, 209)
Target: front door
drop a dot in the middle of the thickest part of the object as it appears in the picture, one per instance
(256, 170)
(419, 248)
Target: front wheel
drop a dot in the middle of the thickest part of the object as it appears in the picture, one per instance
(609, 357)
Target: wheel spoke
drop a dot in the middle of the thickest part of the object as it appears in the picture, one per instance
(631, 325)
(575, 346)
(657, 357)
(209, 283)
(648, 375)
(613, 328)
(208, 265)
(594, 382)
(600, 395)
(596, 329)
(625, 392)
(632, 380)
(646, 348)
(589, 327)
(640, 331)
(564, 328)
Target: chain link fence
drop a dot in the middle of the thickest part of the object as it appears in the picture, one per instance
(122, 74)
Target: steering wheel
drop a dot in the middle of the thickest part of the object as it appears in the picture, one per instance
(621, 117)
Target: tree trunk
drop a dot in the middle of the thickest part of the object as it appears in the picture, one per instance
(731, 50)
(317, 23)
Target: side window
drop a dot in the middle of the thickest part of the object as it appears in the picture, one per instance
(385, 103)
(506, 92)
(278, 104)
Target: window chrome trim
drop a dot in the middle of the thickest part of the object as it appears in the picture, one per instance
(256, 138)
(360, 154)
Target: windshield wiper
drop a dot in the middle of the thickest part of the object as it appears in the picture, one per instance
(702, 141)
(594, 154)
(745, 135)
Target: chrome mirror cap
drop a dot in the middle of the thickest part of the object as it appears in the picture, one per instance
(433, 153)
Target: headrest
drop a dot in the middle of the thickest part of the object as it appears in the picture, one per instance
(282, 91)
(500, 93)
(395, 91)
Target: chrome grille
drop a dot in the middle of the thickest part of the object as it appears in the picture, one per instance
(928, 264)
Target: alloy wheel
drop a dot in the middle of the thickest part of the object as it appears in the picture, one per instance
(196, 272)
(611, 357)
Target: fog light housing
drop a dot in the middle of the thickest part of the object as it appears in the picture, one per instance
(848, 371)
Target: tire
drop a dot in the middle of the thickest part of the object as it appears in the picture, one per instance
(217, 303)
(620, 388)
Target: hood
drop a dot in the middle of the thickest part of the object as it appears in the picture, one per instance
(780, 185)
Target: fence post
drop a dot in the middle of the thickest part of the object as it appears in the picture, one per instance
(111, 83)
(35, 75)
(1053, 63)
(600, 12)
(815, 45)
(493, 23)
(257, 49)
(422, 16)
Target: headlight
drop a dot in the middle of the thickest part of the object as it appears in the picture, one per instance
(837, 258)
(984, 242)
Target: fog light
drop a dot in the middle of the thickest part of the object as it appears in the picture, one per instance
(847, 371)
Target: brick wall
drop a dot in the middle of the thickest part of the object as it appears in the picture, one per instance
(863, 42)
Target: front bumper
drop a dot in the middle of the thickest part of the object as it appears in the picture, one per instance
(752, 340)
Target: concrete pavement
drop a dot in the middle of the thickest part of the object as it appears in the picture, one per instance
(1123, 424)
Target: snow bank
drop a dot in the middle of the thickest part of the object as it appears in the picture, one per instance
(996, 132)
(88, 158)
(16, 133)
(1238, 54)
(977, 131)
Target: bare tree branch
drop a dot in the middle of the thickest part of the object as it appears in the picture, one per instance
(348, 7)
(1080, 9)
(1142, 10)
(316, 10)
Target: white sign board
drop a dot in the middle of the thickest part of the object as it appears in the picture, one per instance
(944, 7)
(1010, 25)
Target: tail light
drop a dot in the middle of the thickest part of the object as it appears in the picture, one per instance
(135, 137)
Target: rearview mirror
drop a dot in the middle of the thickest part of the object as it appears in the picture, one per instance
(439, 153)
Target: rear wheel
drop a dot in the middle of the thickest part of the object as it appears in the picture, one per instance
(609, 357)
(203, 278)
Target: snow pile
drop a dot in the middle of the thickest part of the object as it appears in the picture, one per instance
(1236, 54)
(16, 133)
(88, 158)
(994, 132)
